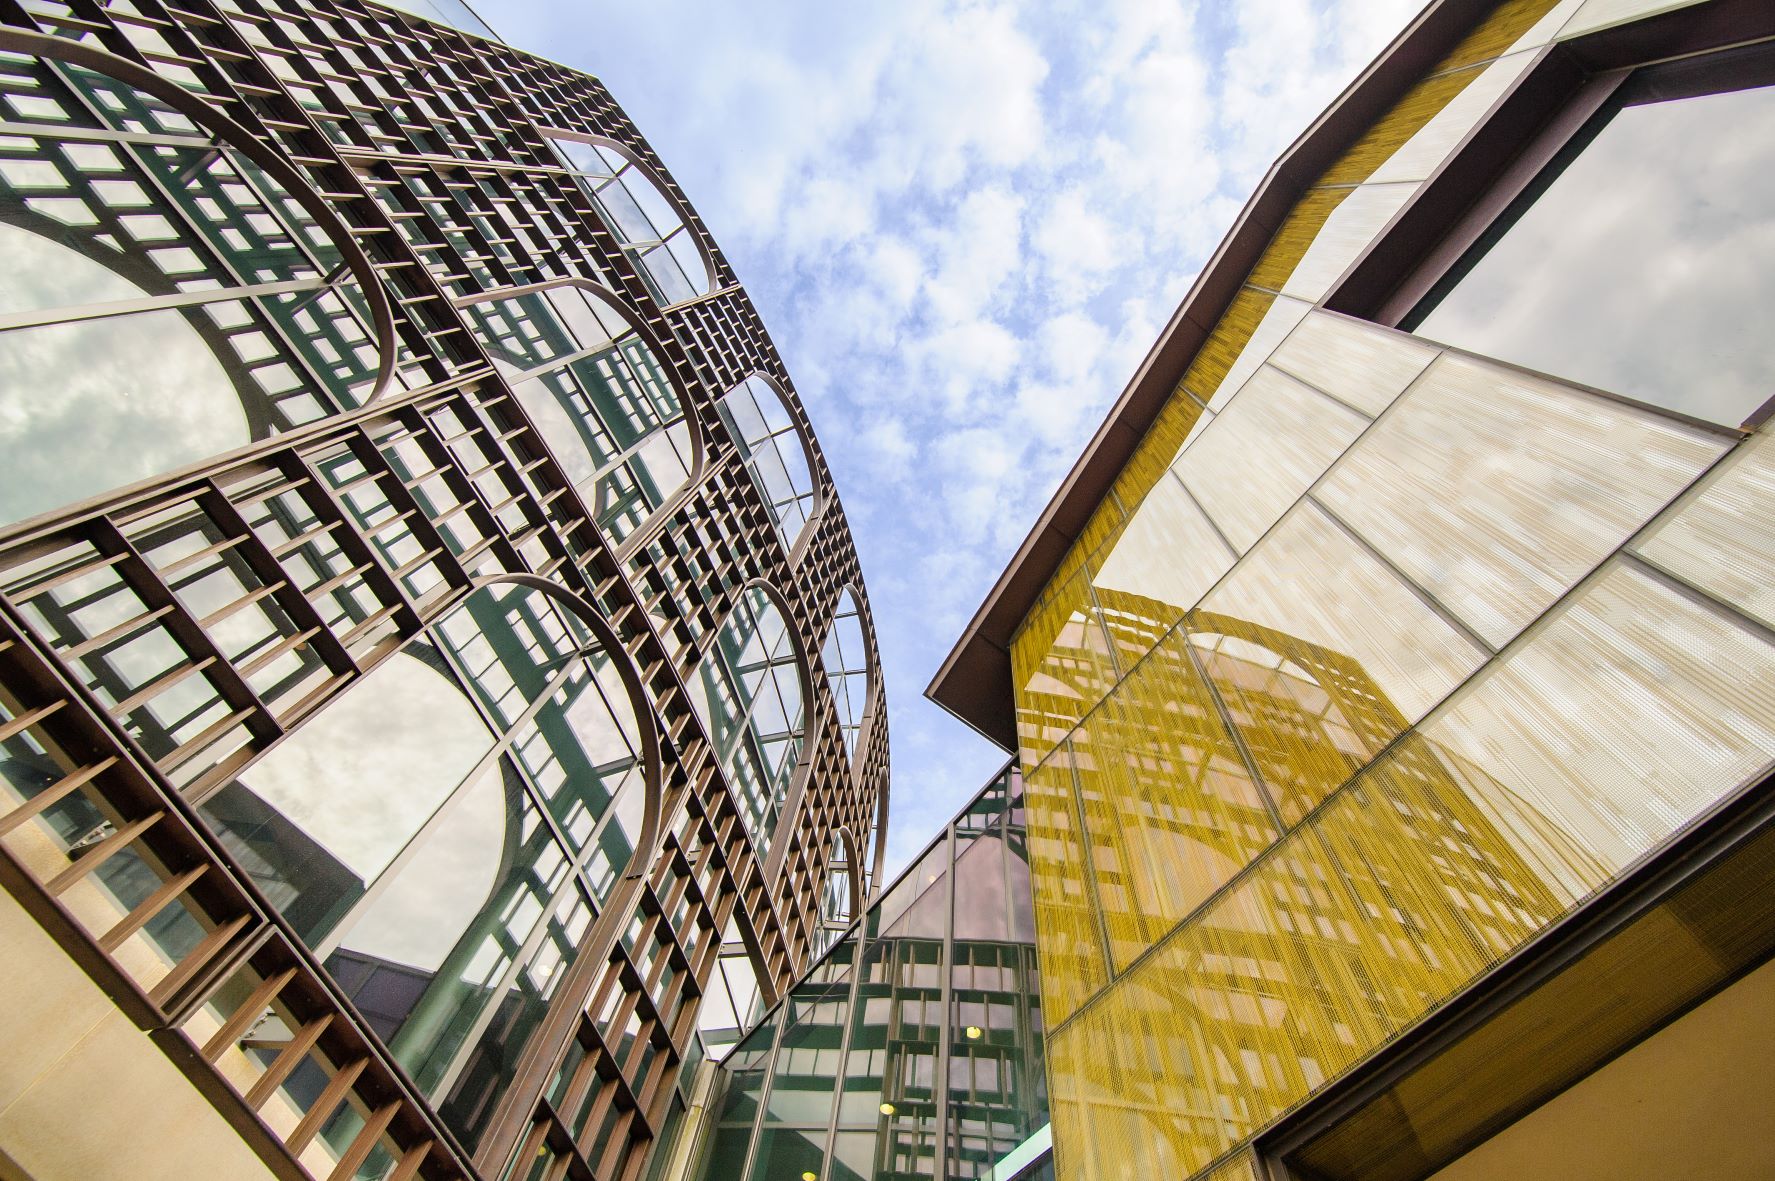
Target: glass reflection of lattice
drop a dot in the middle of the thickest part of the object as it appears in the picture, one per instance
(145, 258)
(846, 662)
(761, 424)
(643, 219)
(747, 691)
(443, 833)
(599, 396)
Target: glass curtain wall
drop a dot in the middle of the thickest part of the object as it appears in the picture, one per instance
(914, 1049)
(444, 833)
(644, 219)
(162, 298)
(598, 394)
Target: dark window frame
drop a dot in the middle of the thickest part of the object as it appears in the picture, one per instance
(1548, 112)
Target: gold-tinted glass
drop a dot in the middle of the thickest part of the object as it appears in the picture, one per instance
(1062, 666)
(1496, 491)
(1071, 950)
(1168, 556)
(1166, 797)
(1322, 656)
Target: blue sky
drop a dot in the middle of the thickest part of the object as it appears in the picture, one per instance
(964, 224)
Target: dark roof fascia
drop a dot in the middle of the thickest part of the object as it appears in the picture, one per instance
(974, 682)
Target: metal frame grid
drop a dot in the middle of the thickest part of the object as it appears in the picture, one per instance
(340, 539)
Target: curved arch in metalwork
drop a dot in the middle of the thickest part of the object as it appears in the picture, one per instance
(648, 221)
(588, 371)
(777, 452)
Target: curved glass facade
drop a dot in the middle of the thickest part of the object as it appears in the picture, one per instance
(444, 833)
(775, 454)
(357, 549)
(598, 395)
(748, 692)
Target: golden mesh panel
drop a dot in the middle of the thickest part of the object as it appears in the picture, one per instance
(1227, 341)
(1062, 667)
(1167, 781)
(1068, 943)
(1421, 104)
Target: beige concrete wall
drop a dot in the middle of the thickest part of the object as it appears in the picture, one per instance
(84, 1095)
(1695, 1100)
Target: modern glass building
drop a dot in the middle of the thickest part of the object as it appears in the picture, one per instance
(438, 702)
(1393, 678)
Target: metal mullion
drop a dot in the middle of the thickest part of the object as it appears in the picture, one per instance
(326, 505)
(468, 492)
(361, 204)
(363, 445)
(110, 135)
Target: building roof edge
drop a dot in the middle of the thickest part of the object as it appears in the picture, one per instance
(974, 681)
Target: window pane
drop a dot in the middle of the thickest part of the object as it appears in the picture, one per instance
(1643, 264)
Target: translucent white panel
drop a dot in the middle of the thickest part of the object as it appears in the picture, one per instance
(1357, 363)
(1310, 582)
(1620, 720)
(1598, 14)
(1496, 491)
(1168, 552)
(747, 691)
(1264, 450)
(1724, 539)
(1420, 155)
(1277, 323)
(1344, 236)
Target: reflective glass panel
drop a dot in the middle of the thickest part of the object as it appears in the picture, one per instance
(761, 424)
(1322, 655)
(1640, 261)
(747, 690)
(162, 299)
(643, 218)
(845, 660)
(601, 399)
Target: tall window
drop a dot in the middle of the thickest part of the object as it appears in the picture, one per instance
(643, 218)
(838, 898)
(759, 421)
(846, 661)
(445, 832)
(595, 390)
(1640, 259)
(747, 691)
(163, 296)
